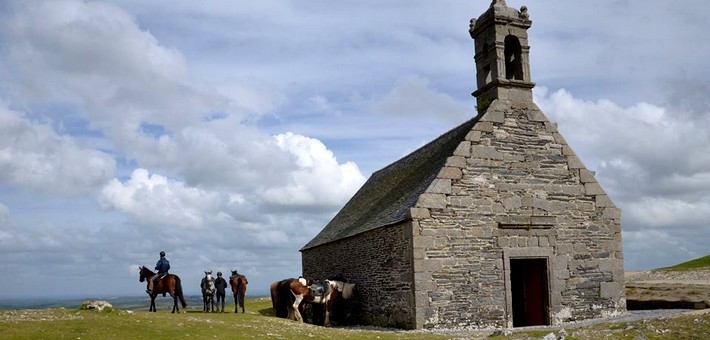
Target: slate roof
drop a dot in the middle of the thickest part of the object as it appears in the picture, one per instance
(388, 194)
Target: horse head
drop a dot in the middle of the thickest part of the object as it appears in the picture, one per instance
(142, 273)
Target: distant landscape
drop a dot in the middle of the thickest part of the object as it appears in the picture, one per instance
(62, 318)
(123, 303)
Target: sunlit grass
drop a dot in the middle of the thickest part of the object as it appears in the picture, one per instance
(259, 323)
(703, 262)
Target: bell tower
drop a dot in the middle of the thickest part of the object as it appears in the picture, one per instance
(502, 54)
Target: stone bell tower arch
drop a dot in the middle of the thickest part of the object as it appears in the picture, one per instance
(502, 54)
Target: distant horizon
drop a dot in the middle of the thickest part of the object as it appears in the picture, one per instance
(105, 296)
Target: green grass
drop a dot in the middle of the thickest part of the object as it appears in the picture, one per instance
(703, 262)
(259, 323)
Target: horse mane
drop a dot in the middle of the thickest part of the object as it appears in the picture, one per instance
(148, 270)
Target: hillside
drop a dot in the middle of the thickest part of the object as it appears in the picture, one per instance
(699, 263)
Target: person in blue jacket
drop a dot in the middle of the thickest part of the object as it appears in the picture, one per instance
(162, 268)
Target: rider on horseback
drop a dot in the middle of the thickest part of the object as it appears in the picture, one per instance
(162, 267)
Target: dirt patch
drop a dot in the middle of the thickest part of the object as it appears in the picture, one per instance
(688, 289)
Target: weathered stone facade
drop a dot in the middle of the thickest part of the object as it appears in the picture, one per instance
(380, 263)
(496, 223)
(521, 193)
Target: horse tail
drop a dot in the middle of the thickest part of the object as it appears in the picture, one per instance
(241, 290)
(178, 291)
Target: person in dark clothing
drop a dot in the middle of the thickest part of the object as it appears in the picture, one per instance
(162, 268)
(220, 284)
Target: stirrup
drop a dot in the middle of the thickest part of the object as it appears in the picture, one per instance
(149, 291)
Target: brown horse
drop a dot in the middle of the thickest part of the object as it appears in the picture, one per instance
(238, 282)
(286, 297)
(328, 293)
(168, 284)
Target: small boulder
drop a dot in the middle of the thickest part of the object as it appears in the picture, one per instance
(96, 305)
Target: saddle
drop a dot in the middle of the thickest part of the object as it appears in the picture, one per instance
(158, 280)
(319, 289)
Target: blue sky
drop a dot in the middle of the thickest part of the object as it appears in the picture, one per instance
(229, 133)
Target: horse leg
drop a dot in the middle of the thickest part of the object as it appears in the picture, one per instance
(175, 304)
(242, 296)
(152, 303)
(297, 313)
(328, 307)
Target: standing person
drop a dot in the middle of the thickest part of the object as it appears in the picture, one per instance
(220, 284)
(162, 268)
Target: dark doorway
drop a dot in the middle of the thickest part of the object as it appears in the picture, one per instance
(528, 281)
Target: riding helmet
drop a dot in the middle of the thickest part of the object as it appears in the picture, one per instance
(219, 273)
(162, 253)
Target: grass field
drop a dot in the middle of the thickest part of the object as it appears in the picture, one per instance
(703, 262)
(259, 323)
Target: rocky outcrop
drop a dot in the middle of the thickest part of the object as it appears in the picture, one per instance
(96, 305)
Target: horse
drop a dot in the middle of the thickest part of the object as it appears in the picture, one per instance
(328, 293)
(238, 282)
(208, 290)
(286, 297)
(169, 283)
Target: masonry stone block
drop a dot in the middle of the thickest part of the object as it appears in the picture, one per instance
(427, 200)
(450, 172)
(610, 289)
(463, 149)
(483, 127)
(423, 242)
(603, 201)
(419, 213)
(573, 162)
(593, 189)
(473, 136)
(513, 202)
(456, 161)
(440, 186)
(612, 213)
(586, 176)
(485, 152)
(494, 116)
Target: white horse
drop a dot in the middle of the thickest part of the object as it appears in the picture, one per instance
(208, 291)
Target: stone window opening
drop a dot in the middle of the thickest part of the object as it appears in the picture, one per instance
(513, 58)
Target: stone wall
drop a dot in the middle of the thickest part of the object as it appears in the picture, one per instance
(380, 263)
(514, 189)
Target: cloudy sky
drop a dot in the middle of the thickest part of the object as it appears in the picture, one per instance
(228, 133)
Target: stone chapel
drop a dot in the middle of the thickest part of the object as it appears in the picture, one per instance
(494, 224)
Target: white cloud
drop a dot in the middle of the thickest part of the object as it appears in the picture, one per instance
(33, 156)
(155, 200)
(95, 56)
(319, 179)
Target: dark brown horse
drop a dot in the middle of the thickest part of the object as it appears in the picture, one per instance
(286, 297)
(168, 284)
(238, 282)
